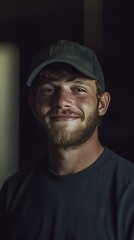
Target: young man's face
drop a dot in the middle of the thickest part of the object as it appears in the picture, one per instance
(67, 111)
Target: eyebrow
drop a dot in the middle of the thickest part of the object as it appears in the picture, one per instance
(77, 81)
(84, 81)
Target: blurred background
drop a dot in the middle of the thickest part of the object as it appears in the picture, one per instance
(29, 25)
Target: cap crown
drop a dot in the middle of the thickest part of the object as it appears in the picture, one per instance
(80, 57)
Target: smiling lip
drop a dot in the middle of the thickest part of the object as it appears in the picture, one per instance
(63, 117)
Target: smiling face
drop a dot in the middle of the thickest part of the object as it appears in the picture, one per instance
(67, 110)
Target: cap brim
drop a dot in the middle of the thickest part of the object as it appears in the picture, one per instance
(72, 63)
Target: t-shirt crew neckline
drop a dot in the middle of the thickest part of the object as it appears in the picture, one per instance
(88, 172)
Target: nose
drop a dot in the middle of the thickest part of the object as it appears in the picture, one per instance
(63, 99)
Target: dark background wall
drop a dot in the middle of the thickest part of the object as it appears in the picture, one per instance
(33, 24)
(118, 66)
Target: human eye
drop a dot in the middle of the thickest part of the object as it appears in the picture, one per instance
(46, 91)
(79, 90)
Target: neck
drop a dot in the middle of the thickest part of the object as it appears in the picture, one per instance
(68, 161)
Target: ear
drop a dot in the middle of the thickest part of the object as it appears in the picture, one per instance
(103, 103)
(32, 103)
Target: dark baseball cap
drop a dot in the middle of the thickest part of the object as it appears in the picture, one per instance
(63, 51)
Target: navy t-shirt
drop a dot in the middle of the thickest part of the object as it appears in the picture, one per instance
(96, 203)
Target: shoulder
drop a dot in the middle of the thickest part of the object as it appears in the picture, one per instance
(123, 169)
(22, 173)
(19, 181)
(122, 163)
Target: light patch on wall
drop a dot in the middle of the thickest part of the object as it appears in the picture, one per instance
(9, 110)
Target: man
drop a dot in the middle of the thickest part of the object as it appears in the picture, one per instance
(82, 190)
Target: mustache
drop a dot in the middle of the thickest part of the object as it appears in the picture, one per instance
(64, 112)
